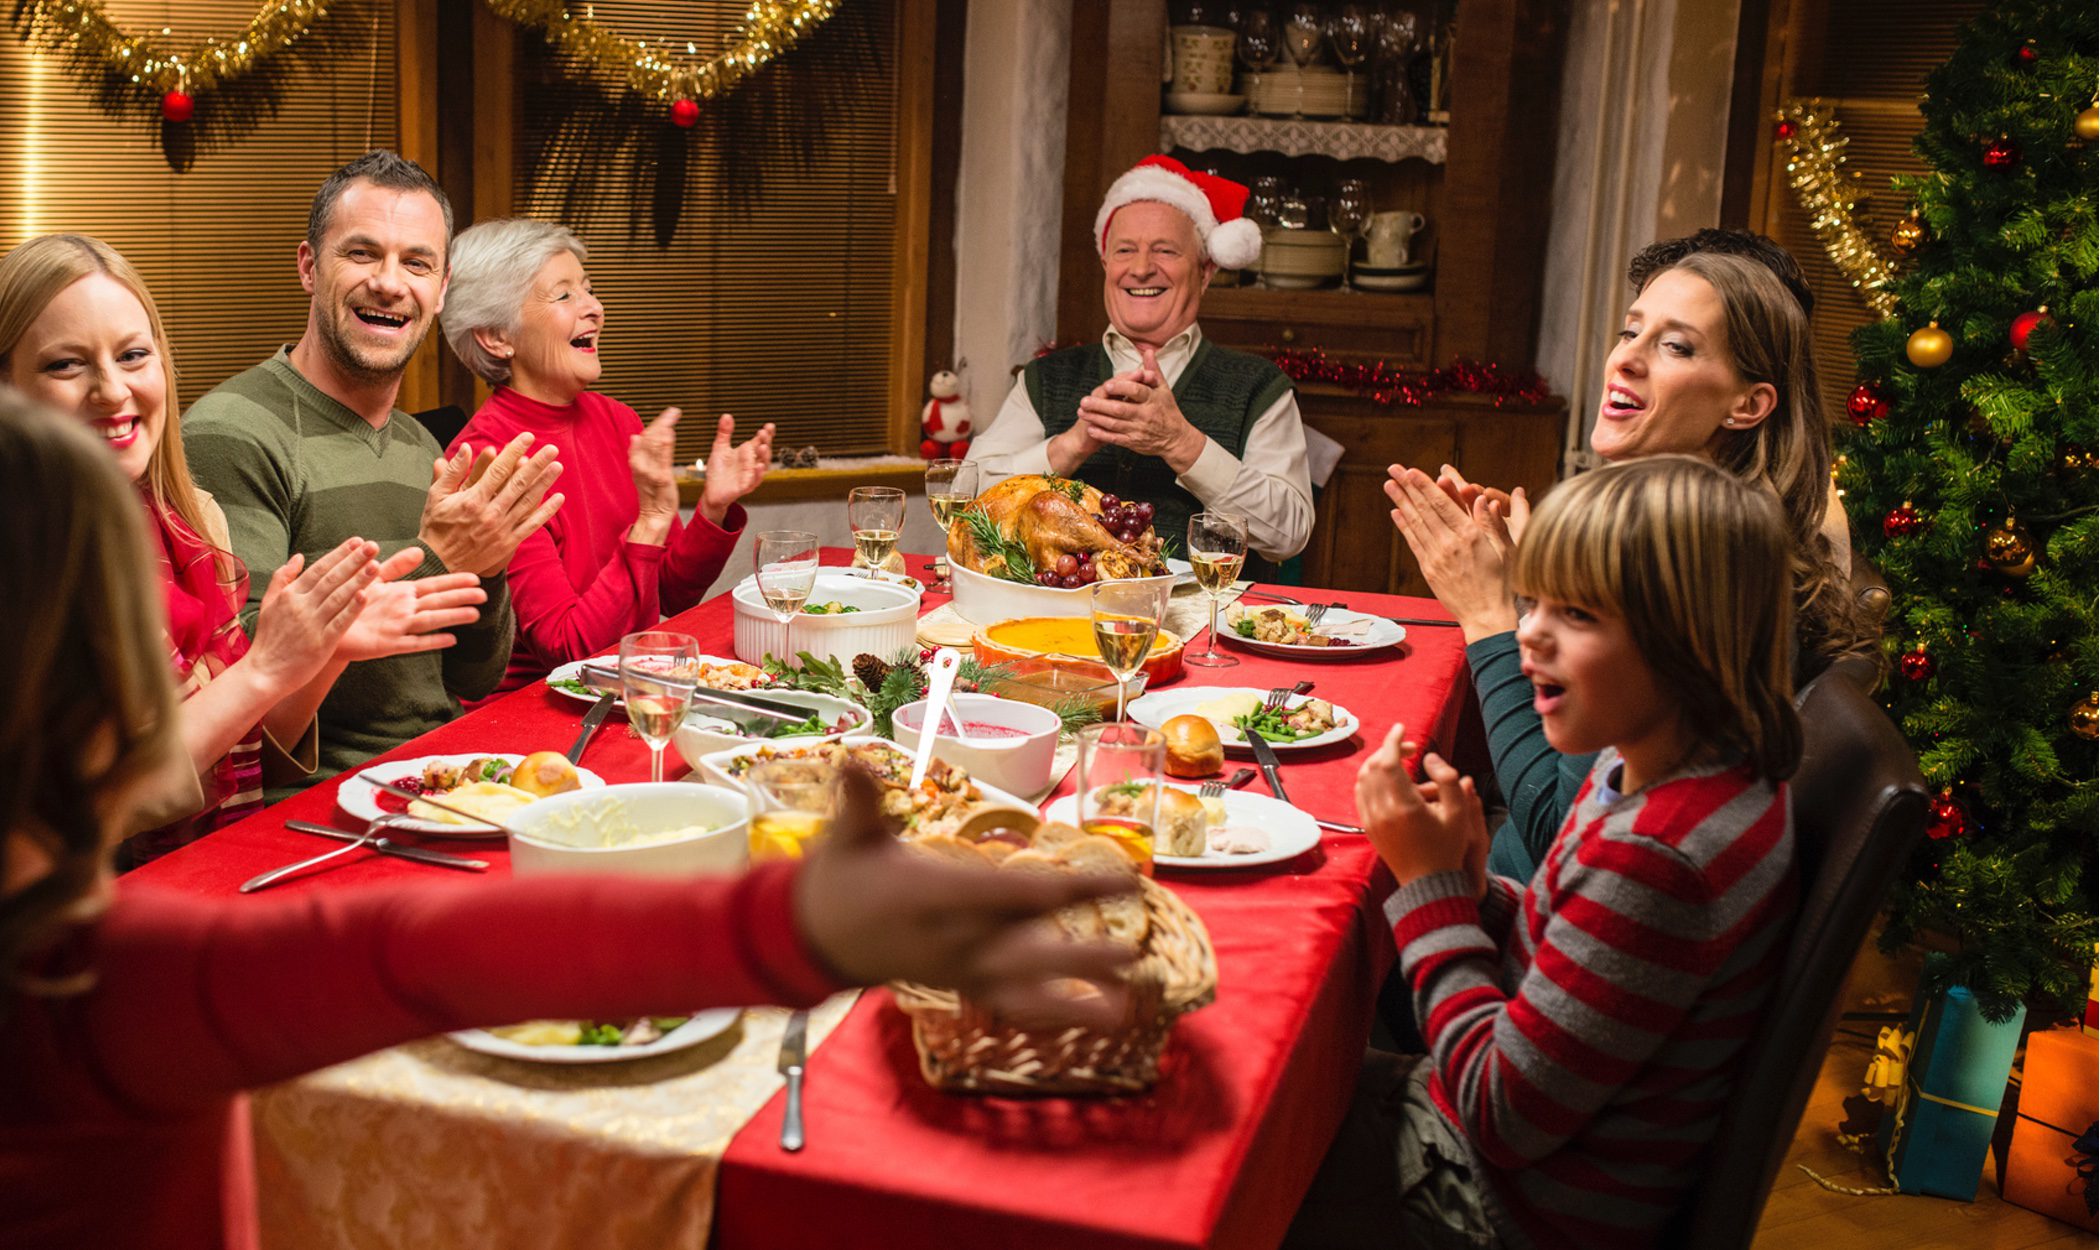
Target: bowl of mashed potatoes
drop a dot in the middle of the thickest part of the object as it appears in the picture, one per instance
(657, 829)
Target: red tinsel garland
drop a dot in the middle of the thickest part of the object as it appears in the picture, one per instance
(1411, 388)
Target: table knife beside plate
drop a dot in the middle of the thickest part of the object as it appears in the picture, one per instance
(1265, 759)
(794, 1053)
(395, 849)
(591, 720)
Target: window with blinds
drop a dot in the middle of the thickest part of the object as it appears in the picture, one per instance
(1847, 52)
(777, 309)
(217, 245)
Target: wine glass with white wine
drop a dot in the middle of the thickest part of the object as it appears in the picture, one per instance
(1217, 549)
(658, 672)
(786, 570)
(951, 487)
(1126, 621)
(876, 514)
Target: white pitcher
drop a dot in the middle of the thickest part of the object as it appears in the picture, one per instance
(1386, 246)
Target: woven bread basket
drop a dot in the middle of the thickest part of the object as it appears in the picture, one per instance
(964, 1049)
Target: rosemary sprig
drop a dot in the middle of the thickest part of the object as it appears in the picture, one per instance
(1000, 555)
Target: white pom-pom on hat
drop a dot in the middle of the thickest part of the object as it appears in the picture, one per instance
(1214, 204)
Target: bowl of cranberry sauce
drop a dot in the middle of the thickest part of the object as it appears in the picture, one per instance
(1002, 742)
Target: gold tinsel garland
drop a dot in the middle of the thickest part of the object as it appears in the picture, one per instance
(770, 28)
(80, 29)
(1815, 168)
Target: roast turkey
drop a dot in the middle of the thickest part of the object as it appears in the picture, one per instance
(1041, 516)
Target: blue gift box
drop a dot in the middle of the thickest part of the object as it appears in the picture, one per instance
(1939, 1134)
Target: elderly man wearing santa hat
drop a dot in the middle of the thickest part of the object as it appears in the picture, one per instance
(1154, 412)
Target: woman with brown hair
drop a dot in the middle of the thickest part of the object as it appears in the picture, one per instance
(80, 333)
(130, 1014)
(1713, 360)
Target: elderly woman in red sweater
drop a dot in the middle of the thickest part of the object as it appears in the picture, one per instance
(520, 313)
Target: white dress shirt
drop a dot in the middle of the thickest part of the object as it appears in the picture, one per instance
(1269, 485)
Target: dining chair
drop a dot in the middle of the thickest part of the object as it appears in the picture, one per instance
(445, 423)
(1859, 808)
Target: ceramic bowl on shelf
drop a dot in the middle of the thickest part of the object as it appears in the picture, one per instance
(1204, 103)
(1411, 278)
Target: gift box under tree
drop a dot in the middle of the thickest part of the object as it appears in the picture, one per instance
(2048, 1168)
(1938, 1133)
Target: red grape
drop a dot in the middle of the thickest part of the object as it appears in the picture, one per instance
(1067, 565)
(1046, 578)
(1070, 583)
(1108, 502)
(1144, 512)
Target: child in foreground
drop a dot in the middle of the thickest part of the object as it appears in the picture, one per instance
(1583, 1031)
(130, 1015)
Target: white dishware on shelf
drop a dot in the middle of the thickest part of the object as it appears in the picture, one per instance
(1388, 243)
(1202, 59)
(1386, 281)
(1204, 103)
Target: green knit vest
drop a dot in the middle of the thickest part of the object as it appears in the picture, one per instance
(1222, 393)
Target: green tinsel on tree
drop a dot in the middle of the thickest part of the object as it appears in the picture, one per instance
(1995, 433)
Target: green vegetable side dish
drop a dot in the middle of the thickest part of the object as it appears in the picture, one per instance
(595, 1034)
(786, 729)
(1244, 627)
(1270, 726)
(828, 609)
(573, 685)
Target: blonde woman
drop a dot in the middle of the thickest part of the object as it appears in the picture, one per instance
(130, 1014)
(80, 333)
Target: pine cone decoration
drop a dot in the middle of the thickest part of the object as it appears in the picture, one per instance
(870, 670)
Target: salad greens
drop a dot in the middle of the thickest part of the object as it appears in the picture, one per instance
(574, 685)
(816, 724)
(828, 609)
(1271, 726)
(1243, 626)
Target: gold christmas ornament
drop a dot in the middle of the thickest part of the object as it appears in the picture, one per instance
(2085, 717)
(1830, 195)
(83, 33)
(1908, 235)
(664, 71)
(2087, 127)
(1930, 347)
(2010, 549)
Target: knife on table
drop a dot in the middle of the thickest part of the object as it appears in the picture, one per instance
(794, 1051)
(591, 720)
(1265, 758)
(395, 849)
(748, 712)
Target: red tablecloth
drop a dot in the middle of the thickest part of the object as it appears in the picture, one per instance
(1254, 1084)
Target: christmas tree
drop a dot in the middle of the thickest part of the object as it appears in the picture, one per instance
(1970, 483)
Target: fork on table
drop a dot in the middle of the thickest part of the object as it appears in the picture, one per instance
(1280, 697)
(1316, 612)
(1215, 789)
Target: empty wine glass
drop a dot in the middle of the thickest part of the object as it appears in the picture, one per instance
(1126, 620)
(786, 571)
(876, 514)
(1302, 36)
(951, 487)
(1217, 549)
(1348, 215)
(658, 672)
(1397, 105)
(1258, 40)
(1349, 31)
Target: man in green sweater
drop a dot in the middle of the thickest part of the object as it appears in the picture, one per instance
(307, 449)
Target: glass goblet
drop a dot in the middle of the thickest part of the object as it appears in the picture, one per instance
(1217, 549)
(786, 571)
(1349, 214)
(951, 487)
(658, 673)
(876, 514)
(1126, 621)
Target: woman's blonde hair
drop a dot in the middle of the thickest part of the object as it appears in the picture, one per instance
(1694, 559)
(1767, 339)
(31, 276)
(91, 711)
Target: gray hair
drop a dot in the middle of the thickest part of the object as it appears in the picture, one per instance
(493, 265)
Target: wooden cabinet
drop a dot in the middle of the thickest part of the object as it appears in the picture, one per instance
(1486, 204)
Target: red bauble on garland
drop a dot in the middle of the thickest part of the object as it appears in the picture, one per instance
(1411, 388)
(1867, 404)
(2001, 155)
(177, 107)
(1784, 130)
(2023, 325)
(1916, 665)
(2025, 56)
(1945, 817)
(1902, 521)
(685, 114)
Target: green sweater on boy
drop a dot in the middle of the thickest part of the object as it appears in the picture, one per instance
(296, 471)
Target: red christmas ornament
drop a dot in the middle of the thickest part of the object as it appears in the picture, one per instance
(1785, 130)
(1867, 404)
(2001, 154)
(1916, 665)
(2023, 325)
(1945, 817)
(2025, 55)
(1902, 521)
(684, 114)
(177, 107)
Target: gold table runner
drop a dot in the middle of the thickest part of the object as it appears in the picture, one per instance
(433, 1145)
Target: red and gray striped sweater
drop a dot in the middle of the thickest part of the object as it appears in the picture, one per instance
(1585, 1029)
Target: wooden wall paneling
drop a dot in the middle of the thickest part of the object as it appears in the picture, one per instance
(416, 67)
(1112, 122)
(1505, 88)
(912, 164)
(951, 28)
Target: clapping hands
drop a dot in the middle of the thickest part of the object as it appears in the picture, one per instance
(1421, 828)
(734, 471)
(481, 507)
(404, 617)
(1137, 410)
(1464, 537)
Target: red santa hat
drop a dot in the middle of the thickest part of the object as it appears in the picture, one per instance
(1213, 203)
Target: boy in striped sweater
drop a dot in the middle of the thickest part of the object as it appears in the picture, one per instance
(1583, 1031)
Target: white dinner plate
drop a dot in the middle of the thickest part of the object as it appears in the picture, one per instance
(701, 1027)
(362, 800)
(573, 671)
(1158, 707)
(1291, 832)
(1371, 633)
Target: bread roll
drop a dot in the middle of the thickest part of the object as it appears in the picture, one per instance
(1184, 827)
(1193, 749)
(544, 773)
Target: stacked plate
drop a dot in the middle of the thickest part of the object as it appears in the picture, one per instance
(1404, 278)
(1301, 259)
(1204, 103)
(1316, 91)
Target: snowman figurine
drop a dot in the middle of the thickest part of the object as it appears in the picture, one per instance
(944, 423)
